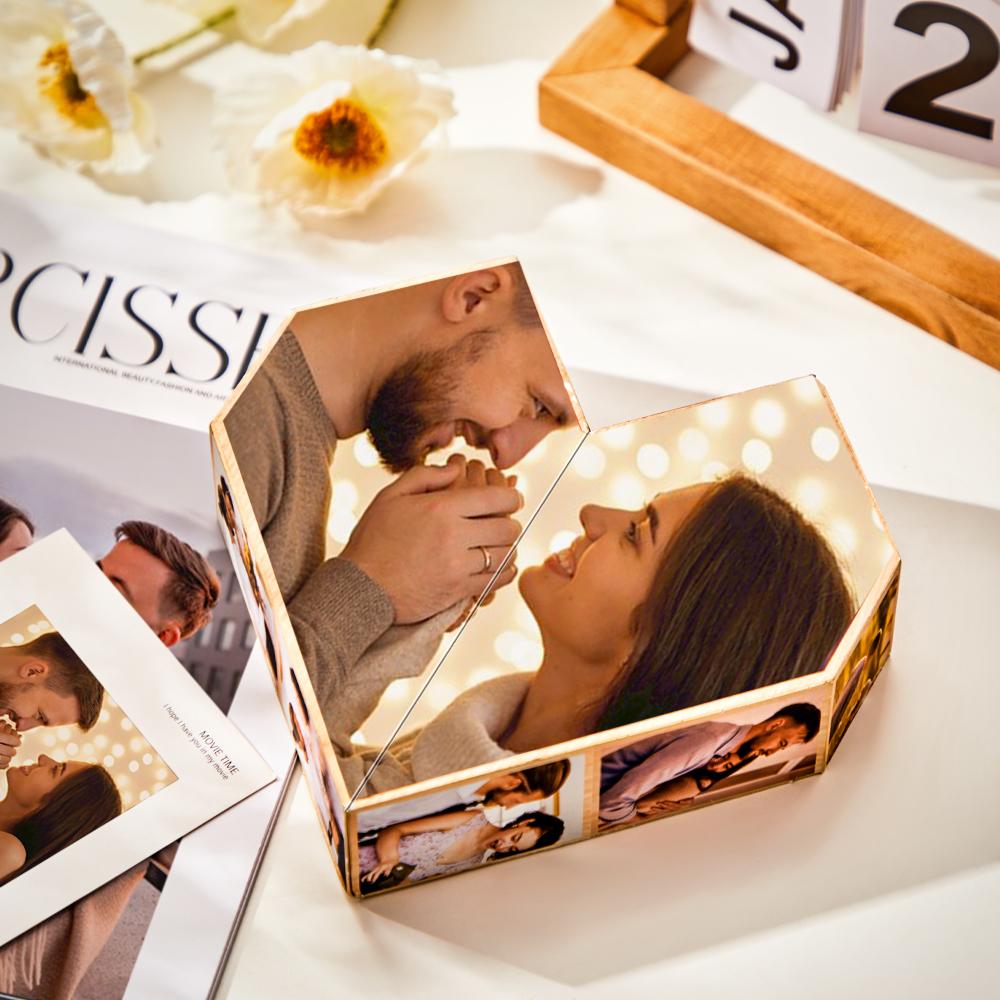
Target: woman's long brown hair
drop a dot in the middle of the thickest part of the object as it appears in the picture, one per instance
(78, 805)
(748, 593)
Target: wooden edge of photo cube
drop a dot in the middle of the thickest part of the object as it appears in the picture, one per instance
(605, 94)
(843, 675)
(819, 689)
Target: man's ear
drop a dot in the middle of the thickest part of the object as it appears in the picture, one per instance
(33, 670)
(170, 634)
(478, 293)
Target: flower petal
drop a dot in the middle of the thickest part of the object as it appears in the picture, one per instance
(65, 86)
(258, 121)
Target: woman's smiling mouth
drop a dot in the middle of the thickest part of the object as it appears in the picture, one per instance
(563, 563)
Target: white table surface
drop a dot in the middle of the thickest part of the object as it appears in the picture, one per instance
(633, 284)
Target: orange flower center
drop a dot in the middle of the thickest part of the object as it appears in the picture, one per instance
(342, 137)
(60, 84)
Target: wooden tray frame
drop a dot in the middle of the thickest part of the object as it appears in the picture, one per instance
(605, 93)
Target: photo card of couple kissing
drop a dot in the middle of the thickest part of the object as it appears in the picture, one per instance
(111, 749)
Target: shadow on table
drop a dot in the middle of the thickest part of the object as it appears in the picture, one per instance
(478, 193)
(184, 164)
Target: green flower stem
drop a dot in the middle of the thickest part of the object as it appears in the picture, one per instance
(376, 33)
(226, 14)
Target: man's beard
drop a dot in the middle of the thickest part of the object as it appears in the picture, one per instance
(745, 753)
(7, 692)
(417, 396)
(736, 759)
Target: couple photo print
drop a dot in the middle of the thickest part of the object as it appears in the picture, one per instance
(453, 569)
(109, 750)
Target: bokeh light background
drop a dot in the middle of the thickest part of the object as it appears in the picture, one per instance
(786, 435)
(113, 742)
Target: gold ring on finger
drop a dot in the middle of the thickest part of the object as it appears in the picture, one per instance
(487, 559)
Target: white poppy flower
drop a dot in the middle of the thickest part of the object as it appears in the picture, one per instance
(258, 20)
(330, 126)
(65, 86)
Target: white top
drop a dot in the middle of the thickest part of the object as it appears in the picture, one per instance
(425, 805)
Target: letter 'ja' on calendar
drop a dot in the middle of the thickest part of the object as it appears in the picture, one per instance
(806, 47)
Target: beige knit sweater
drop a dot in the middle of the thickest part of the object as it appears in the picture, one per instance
(284, 443)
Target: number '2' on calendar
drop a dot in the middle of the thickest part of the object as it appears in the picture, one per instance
(931, 75)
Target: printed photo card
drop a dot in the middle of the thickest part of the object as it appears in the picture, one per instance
(149, 522)
(494, 630)
(109, 748)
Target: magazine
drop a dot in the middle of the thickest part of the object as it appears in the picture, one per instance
(116, 751)
(136, 320)
(93, 471)
(150, 342)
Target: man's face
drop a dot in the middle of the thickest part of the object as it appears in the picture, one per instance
(30, 703)
(780, 734)
(140, 578)
(515, 797)
(499, 389)
(509, 790)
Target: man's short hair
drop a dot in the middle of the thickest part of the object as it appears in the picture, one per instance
(9, 516)
(194, 589)
(546, 778)
(68, 674)
(523, 305)
(803, 714)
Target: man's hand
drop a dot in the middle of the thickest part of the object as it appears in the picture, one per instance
(663, 806)
(422, 541)
(10, 741)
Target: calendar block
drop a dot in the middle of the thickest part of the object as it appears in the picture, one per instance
(931, 75)
(793, 44)
(606, 93)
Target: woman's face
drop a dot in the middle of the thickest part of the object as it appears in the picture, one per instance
(584, 597)
(29, 784)
(522, 836)
(19, 537)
